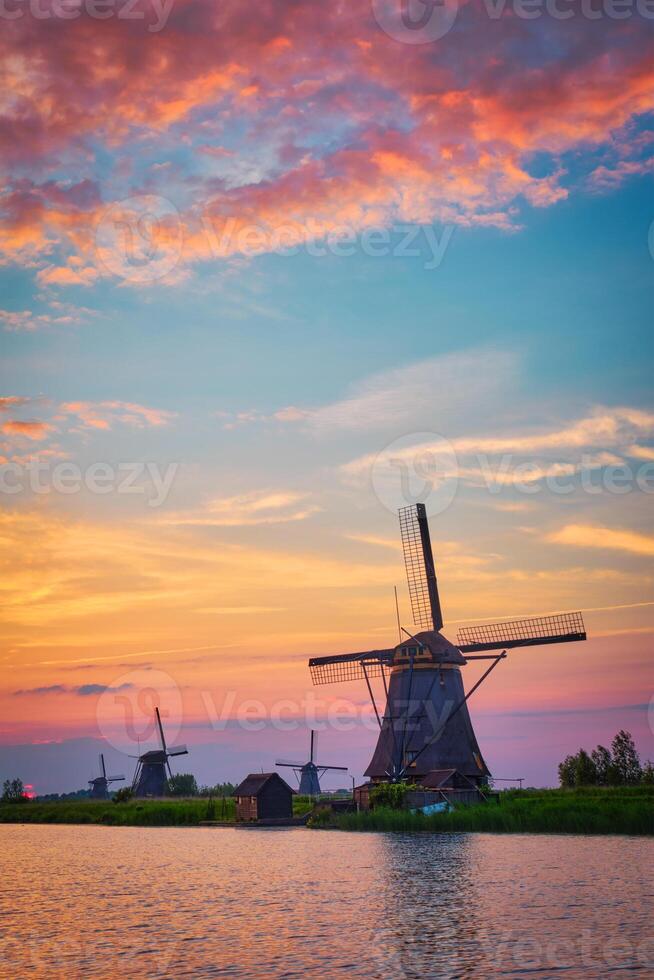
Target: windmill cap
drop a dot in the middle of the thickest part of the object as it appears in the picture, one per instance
(153, 756)
(438, 645)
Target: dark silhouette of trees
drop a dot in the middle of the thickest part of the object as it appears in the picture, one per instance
(626, 759)
(13, 791)
(603, 763)
(567, 771)
(618, 767)
(585, 772)
(220, 790)
(183, 784)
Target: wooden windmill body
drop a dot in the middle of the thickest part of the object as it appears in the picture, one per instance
(426, 725)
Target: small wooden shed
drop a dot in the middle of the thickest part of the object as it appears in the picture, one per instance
(264, 796)
(362, 796)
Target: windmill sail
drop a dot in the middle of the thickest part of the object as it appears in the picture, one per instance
(150, 776)
(349, 666)
(99, 784)
(419, 564)
(161, 732)
(563, 628)
(309, 773)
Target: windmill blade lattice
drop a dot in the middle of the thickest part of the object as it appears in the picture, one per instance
(562, 628)
(419, 564)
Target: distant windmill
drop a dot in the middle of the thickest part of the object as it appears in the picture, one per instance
(99, 785)
(426, 725)
(309, 773)
(150, 776)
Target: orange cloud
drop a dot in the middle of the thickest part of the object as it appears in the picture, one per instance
(7, 402)
(30, 429)
(589, 536)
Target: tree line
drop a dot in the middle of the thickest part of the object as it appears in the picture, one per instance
(185, 784)
(618, 766)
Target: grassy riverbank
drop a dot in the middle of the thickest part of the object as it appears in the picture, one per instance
(135, 813)
(593, 811)
(623, 810)
(148, 813)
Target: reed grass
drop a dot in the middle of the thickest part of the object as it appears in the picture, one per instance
(134, 813)
(619, 811)
(152, 813)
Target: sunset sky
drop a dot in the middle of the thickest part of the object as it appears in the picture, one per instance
(260, 260)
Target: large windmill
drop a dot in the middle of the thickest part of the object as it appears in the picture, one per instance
(150, 776)
(426, 725)
(99, 784)
(310, 773)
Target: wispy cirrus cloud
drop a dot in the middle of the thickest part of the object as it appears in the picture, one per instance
(602, 438)
(607, 178)
(106, 414)
(376, 540)
(82, 690)
(57, 314)
(612, 539)
(67, 419)
(249, 509)
(424, 394)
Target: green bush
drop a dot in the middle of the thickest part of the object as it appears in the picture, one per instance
(390, 795)
(321, 818)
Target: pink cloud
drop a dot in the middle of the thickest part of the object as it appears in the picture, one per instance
(351, 127)
(606, 178)
(103, 415)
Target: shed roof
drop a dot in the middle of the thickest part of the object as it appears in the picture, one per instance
(254, 783)
(437, 778)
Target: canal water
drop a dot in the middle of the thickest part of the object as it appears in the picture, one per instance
(82, 901)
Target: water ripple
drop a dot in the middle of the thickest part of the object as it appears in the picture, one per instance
(103, 902)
